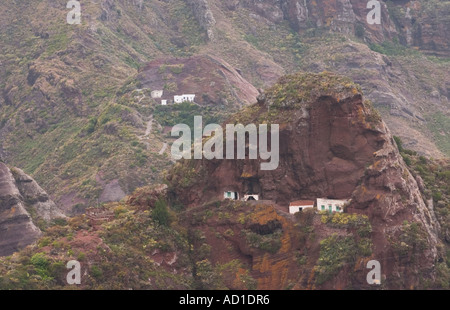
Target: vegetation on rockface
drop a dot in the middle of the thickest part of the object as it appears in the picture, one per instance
(359, 223)
(60, 94)
(268, 242)
(298, 91)
(411, 242)
(338, 251)
(393, 49)
(209, 247)
(335, 252)
(184, 113)
(161, 214)
(439, 125)
(372, 115)
(184, 174)
(56, 90)
(130, 251)
(293, 91)
(418, 76)
(434, 182)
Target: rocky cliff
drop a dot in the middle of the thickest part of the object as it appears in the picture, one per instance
(20, 195)
(184, 235)
(332, 144)
(59, 88)
(422, 24)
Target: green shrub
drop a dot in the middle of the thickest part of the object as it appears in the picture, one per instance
(335, 252)
(360, 31)
(41, 264)
(407, 159)
(160, 213)
(270, 243)
(399, 143)
(96, 272)
(90, 128)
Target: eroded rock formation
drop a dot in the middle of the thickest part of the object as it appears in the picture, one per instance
(19, 193)
(332, 144)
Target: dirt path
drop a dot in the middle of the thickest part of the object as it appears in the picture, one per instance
(163, 149)
(149, 126)
(148, 130)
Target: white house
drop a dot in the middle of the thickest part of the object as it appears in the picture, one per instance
(251, 197)
(300, 205)
(163, 102)
(184, 98)
(231, 195)
(156, 94)
(331, 205)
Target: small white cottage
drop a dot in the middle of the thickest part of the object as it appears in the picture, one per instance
(300, 205)
(331, 205)
(231, 195)
(156, 94)
(184, 98)
(163, 102)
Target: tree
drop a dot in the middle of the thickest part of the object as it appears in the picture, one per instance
(161, 214)
(399, 143)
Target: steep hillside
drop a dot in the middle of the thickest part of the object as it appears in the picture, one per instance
(23, 204)
(184, 235)
(75, 89)
(332, 144)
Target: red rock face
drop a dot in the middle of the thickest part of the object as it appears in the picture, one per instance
(323, 153)
(333, 147)
(390, 196)
(211, 79)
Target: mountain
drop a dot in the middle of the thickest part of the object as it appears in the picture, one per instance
(81, 113)
(184, 235)
(76, 88)
(332, 144)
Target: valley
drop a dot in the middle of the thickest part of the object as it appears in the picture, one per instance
(87, 171)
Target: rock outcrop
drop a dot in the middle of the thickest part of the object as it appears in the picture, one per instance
(35, 197)
(332, 144)
(16, 228)
(204, 16)
(415, 23)
(19, 193)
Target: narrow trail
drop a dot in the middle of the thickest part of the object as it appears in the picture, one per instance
(148, 130)
(149, 126)
(163, 149)
(145, 137)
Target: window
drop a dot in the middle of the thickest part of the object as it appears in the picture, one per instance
(229, 194)
(338, 208)
(323, 208)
